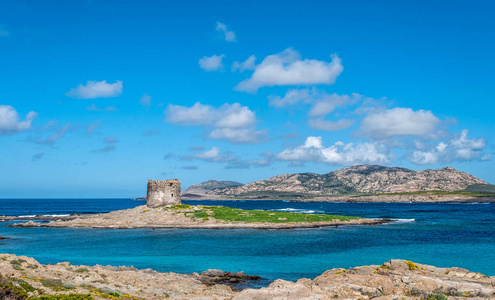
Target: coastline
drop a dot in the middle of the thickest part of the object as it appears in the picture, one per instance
(393, 279)
(373, 198)
(145, 217)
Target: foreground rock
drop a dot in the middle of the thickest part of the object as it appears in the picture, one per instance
(181, 216)
(394, 279)
(104, 282)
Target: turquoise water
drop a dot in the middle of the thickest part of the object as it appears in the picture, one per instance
(444, 235)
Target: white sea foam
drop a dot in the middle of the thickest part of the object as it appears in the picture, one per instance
(404, 220)
(62, 215)
(296, 210)
(33, 216)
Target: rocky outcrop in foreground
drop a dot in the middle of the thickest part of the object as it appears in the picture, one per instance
(362, 179)
(396, 279)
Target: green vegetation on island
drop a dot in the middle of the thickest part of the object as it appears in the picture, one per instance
(252, 216)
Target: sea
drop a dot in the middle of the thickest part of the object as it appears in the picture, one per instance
(440, 234)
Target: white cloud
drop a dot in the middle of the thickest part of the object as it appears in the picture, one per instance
(337, 154)
(292, 97)
(328, 103)
(228, 35)
(96, 89)
(214, 155)
(93, 107)
(211, 63)
(399, 122)
(210, 154)
(321, 124)
(232, 122)
(198, 114)
(458, 148)
(321, 102)
(145, 100)
(287, 68)
(10, 122)
(238, 136)
(248, 64)
(235, 116)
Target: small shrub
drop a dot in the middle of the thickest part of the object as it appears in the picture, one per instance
(81, 270)
(32, 266)
(412, 266)
(111, 292)
(415, 292)
(435, 297)
(68, 286)
(452, 291)
(15, 262)
(52, 283)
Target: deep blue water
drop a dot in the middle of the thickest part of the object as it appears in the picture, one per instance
(443, 235)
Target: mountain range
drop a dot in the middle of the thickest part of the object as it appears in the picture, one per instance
(355, 180)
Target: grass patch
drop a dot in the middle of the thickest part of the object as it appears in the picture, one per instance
(81, 270)
(261, 216)
(26, 286)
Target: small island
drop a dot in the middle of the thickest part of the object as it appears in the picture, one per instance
(164, 209)
(205, 217)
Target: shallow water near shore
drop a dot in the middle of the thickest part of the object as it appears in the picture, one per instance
(443, 234)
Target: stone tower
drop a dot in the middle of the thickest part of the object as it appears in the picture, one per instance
(163, 192)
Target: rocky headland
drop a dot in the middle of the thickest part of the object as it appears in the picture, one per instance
(191, 216)
(22, 277)
(362, 183)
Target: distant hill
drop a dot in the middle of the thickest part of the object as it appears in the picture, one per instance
(481, 188)
(361, 179)
(203, 188)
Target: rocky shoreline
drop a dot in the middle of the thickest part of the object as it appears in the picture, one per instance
(396, 279)
(378, 198)
(145, 217)
(404, 198)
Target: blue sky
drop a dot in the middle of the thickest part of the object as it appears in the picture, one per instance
(97, 97)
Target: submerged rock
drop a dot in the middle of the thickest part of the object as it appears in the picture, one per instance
(213, 276)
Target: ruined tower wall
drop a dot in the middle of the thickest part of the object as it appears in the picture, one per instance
(163, 192)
